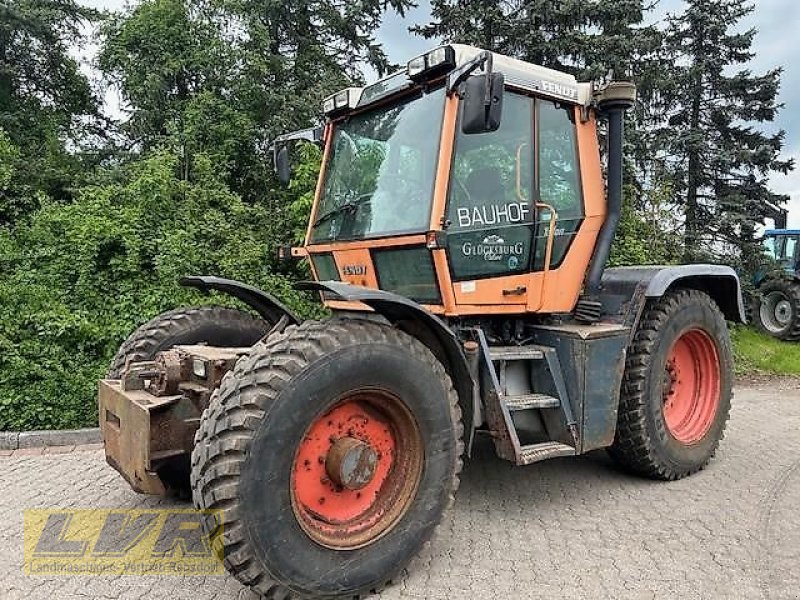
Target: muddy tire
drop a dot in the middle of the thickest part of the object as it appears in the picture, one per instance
(273, 450)
(776, 311)
(676, 390)
(215, 325)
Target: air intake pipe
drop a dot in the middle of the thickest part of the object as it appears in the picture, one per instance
(612, 102)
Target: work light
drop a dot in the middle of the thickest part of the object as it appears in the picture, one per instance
(439, 60)
(341, 100)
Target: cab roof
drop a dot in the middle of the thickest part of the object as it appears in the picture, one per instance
(774, 232)
(519, 74)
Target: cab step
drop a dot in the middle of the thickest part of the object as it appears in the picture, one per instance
(536, 452)
(531, 401)
(515, 353)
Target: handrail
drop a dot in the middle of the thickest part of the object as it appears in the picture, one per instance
(548, 253)
(551, 234)
(519, 172)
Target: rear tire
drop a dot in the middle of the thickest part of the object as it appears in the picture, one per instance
(254, 459)
(777, 309)
(676, 389)
(214, 325)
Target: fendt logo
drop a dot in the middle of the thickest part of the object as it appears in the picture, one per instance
(352, 270)
(119, 542)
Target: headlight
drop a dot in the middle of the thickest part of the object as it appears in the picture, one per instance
(341, 99)
(199, 368)
(437, 61)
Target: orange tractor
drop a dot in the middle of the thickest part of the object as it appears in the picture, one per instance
(459, 236)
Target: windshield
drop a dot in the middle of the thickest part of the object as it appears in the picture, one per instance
(769, 247)
(381, 170)
(782, 247)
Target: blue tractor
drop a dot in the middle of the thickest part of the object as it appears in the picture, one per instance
(776, 309)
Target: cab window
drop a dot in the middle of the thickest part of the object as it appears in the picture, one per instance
(559, 180)
(489, 210)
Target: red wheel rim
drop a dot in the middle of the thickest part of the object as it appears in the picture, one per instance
(691, 386)
(357, 470)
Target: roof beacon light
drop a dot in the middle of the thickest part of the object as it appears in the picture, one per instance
(437, 61)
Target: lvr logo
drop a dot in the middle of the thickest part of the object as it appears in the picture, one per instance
(354, 270)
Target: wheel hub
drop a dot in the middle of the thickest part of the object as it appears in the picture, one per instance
(783, 312)
(357, 469)
(351, 463)
(691, 386)
(775, 312)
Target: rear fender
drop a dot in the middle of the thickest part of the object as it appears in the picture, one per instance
(626, 289)
(420, 323)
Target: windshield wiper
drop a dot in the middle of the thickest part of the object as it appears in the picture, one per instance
(349, 205)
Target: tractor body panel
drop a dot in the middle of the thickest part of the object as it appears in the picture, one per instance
(503, 240)
(593, 361)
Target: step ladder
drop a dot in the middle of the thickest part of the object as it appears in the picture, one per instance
(502, 405)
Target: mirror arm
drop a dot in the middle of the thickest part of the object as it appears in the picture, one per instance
(315, 135)
(464, 71)
(487, 73)
(311, 134)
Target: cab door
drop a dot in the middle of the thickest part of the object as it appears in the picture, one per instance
(490, 215)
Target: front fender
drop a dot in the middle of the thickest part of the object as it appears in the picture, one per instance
(421, 324)
(266, 305)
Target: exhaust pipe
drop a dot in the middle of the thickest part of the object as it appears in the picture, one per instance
(614, 99)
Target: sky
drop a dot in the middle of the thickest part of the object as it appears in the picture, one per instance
(776, 45)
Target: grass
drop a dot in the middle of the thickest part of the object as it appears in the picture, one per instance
(759, 353)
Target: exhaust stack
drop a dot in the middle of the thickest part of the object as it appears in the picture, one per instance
(612, 101)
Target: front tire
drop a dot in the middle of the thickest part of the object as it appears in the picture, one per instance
(274, 446)
(676, 389)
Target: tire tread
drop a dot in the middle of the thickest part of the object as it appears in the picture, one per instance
(251, 388)
(634, 447)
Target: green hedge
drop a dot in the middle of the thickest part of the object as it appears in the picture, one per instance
(76, 279)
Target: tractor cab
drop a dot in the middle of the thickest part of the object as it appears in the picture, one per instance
(466, 180)
(783, 246)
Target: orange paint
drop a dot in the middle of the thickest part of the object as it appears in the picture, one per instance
(328, 136)
(355, 266)
(417, 239)
(445, 159)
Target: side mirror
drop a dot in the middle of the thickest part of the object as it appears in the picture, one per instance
(482, 99)
(282, 166)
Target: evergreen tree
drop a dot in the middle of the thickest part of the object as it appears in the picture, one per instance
(586, 38)
(46, 104)
(715, 156)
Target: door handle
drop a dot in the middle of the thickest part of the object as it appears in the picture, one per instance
(517, 291)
